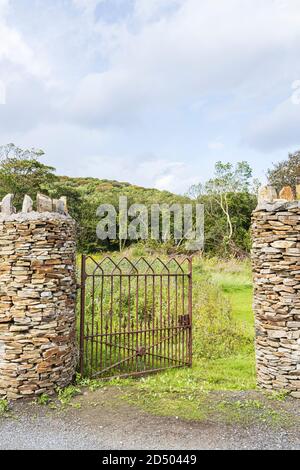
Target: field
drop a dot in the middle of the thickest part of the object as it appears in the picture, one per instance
(223, 345)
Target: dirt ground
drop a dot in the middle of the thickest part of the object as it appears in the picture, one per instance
(102, 420)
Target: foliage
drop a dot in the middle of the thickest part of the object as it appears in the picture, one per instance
(65, 395)
(228, 198)
(43, 399)
(4, 406)
(216, 333)
(222, 294)
(190, 393)
(185, 392)
(285, 172)
(21, 172)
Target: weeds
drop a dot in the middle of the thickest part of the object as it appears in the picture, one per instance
(280, 395)
(65, 395)
(4, 407)
(43, 399)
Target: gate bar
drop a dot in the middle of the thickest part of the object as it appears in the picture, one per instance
(82, 314)
(190, 309)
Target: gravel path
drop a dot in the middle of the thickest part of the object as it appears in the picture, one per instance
(106, 423)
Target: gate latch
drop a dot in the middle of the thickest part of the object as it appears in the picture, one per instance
(141, 351)
(184, 320)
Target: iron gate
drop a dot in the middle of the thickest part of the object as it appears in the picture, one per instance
(135, 316)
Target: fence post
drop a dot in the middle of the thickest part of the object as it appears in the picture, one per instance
(190, 309)
(82, 314)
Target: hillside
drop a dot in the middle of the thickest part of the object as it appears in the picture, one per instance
(86, 194)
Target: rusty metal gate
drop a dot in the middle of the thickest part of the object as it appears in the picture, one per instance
(135, 316)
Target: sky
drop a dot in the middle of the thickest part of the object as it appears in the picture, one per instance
(153, 92)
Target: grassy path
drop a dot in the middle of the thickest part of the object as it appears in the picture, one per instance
(186, 392)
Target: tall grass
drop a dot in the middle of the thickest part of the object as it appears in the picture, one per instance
(220, 327)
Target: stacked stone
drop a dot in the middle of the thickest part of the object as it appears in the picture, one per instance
(37, 300)
(276, 267)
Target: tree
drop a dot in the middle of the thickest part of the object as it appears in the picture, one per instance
(229, 198)
(22, 173)
(228, 180)
(285, 172)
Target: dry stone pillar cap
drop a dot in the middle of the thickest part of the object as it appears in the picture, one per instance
(286, 193)
(27, 204)
(43, 203)
(63, 199)
(298, 187)
(60, 205)
(267, 194)
(7, 207)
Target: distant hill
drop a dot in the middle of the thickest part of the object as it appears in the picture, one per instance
(86, 194)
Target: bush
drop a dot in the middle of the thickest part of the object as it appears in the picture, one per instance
(216, 333)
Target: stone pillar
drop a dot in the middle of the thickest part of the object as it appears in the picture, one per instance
(38, 350)
(276, 268)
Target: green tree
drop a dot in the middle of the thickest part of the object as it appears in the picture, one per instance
(285, 172)
(228, 179)
(228, 200)
(22, 173)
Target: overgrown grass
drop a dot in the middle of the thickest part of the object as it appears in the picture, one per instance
(223, 345)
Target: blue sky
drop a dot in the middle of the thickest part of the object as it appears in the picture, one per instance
(153, 92)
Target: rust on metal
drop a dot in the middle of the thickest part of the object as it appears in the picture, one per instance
(135, 316)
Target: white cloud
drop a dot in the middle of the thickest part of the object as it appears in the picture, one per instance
(86, 4)
(202, 47)
(14, 50)
(183, 69)
(277, 129)
(217, 145)
(147, 11)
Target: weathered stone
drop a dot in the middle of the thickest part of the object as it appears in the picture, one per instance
(44, 203)
(266, 194)
(60, 205)
(283, 244)
(64, 201)
(7, 207)
(37, 303)
(276, 262)
(286, 193)
(27, 204)
(298, 188)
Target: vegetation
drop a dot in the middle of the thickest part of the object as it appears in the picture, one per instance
(21, 172)
(4, 407)
(223, 352)
(65, 395)
(43, 399)
(229, 198)
(221, 385)
(285, 172)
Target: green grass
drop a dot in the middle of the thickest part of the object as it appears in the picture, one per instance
(184, 392)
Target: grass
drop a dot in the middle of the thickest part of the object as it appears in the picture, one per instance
(184, 392)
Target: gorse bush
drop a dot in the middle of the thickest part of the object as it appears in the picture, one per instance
(216, 333)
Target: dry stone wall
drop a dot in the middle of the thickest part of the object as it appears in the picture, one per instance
(37, 298)
(276, 268)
